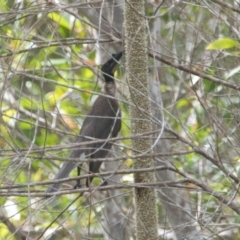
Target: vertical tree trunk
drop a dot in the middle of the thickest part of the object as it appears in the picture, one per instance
(137, 76)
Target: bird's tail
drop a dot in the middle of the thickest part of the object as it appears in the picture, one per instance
(63, 173)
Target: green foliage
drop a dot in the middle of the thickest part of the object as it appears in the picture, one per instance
(222, 43)
(209, 86)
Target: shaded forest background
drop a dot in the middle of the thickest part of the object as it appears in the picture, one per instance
(50, 53)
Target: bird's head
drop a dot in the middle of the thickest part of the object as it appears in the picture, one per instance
(109, 67)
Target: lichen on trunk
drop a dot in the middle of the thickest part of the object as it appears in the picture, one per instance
(137, 77)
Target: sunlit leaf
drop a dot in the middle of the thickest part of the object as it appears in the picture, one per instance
(59, 19)
(222, 43)
(24, 125)
(182, 103)
(49, 139)
(8, 115)
(29, 103)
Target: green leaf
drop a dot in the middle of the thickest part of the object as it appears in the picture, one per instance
(182, 103)
(29, 103)
(222, 43)
(49, 139)
(59, 19)
(208, 85)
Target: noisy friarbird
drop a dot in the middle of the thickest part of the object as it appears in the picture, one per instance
(102, 122)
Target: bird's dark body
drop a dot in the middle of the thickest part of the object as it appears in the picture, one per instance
(102, 122)
(99, 125)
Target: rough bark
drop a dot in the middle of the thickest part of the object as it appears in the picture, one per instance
(137, 77)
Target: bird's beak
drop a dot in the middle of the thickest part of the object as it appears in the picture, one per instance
(114, 61)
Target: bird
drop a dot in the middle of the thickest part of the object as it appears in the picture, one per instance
(102, 123)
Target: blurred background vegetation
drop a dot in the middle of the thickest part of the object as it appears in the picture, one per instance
(50, 54)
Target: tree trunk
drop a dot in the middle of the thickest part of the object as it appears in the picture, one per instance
(137, 77)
